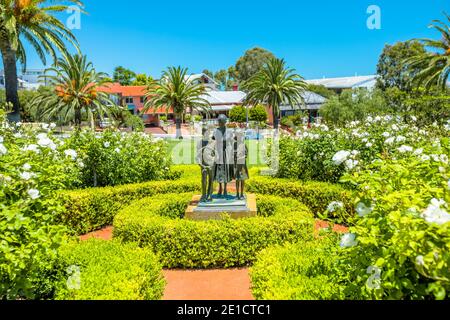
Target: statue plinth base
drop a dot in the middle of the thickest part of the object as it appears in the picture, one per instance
(220, 208)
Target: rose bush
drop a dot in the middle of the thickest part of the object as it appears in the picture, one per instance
(115, 158)
(324, 153)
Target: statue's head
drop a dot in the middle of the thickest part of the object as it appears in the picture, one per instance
(222, 120)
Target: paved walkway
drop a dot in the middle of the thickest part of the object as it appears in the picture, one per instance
(223, 284)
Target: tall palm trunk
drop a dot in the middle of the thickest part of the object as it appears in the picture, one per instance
(178, 135)
(11, 82)
(276, 117)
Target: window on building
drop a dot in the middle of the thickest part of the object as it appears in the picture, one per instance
(142, 99)
(129, 100)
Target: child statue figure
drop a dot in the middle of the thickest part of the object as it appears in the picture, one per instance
(205, 158)
(223, 171)
(240, 163)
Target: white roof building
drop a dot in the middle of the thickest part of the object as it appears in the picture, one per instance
(339, 84)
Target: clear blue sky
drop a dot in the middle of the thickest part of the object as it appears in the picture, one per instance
(318, 38)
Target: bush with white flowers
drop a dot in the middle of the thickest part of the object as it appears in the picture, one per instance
(32, 170)
(402, 229)
(324, 153)
(115, 158)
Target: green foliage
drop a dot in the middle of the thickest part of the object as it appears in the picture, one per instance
(108, 270)
(142, 80)
(294, 121)
(315, 195)
(90, 209)
(321, 90)
(391, 69)
(156, 223)
(32, 169)
(76, 95)
(123, 76)
(251, 63)
(296, 271)
(114, 158)
(258, 113)
(353, 105)
(275, 84)
(238, 114)
(433, 65)
(403, 229)
(135, 123)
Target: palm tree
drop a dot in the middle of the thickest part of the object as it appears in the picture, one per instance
(274, 85)
(75, 94)
(176, 91)
(434, 66)
(32, 21)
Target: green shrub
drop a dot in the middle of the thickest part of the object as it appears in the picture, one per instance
(238, 114)
(109, 270)
(155, 222)
(113, 158)
(258, 114)
(91, 209)
(317, 196)
(296, 271)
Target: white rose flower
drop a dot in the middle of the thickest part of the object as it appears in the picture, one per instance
(34, 194)
(425, 157)
(17, 135)
(52, 125)
(386, 134)
(45, 126)
(363, 210)
(45, 142)
(26, 167)
(420, 261)
(335, 205)
(3, 149)
(117, 150)
(106, 144)
(390, 140)
(369, 145)
(42, 136)
(348, 240)
(435, 213)
(71, 153)
(418, 152)
(26, 175)
(351, 164)
(340, 157)
(32, 147)
(401, 139)
(404, 149)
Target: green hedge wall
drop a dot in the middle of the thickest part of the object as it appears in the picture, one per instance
(315, 195)
(156, 222)
(90, 209)
(110, 270)
(295, 271)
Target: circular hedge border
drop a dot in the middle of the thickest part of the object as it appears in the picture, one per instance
(157, 223)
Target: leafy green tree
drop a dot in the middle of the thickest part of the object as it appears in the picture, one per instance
(209, 73)
(391, 68)
(33, 21)
(321, 90)
(251, 62)
(176, 94)
(75, 94)
(353, 105)
(258, 114)
(124, 76)
(142, 80)
(238, 114)
(434, 65)
(274, 85)
(221, 77)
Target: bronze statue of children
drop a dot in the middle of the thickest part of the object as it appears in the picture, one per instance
(240, 163)
(223, 170)
(205, 159)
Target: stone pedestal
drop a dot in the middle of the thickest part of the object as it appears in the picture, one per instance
(220, 208)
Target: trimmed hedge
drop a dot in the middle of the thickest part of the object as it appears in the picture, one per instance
(110, 270)
(156, 222)
(91, 209)
(295, 271)
(315, 195)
